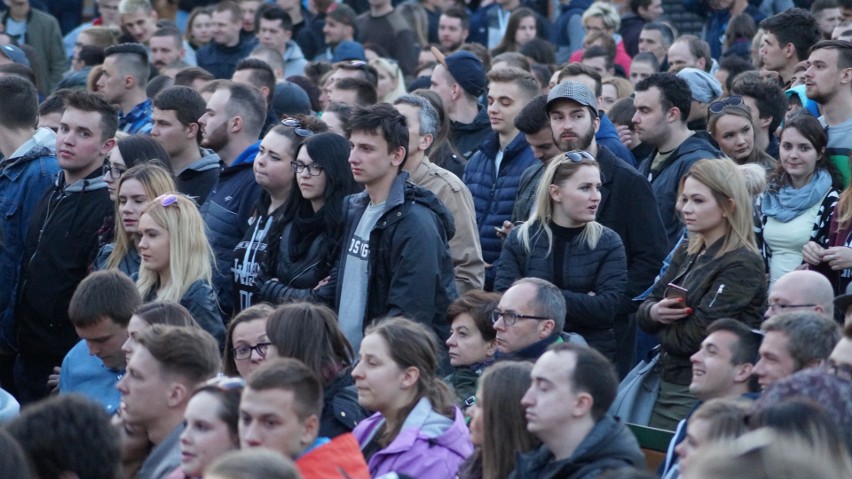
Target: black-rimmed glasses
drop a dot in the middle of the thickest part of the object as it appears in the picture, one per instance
(719, 105)
(314, 169)
(114, 172)
(510, 318)
(297, 127)
(244, 352)
(780, 308)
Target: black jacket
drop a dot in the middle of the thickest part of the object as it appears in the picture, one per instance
(467, 137)
(221, 61)
(340, 409)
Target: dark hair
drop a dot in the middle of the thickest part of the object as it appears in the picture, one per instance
(158, 84)
(796, 26)
(229, 6)
(188, 75)
(635, 5)
(802, 417)
(478, 305)
(187, 104)
(844, 51)
(343, 110)
(13, 461)
(55, 103)
(190, 353)
(68, 434)
(647, 57)
(261, 74)
(166, 313)
(247, 102)
(734, 65)
(170, 30)
(513, 60)
(291, 375)
(820, 5)
(539, 50)
(310, 88)
(480, 51)
(748, 341)
(91, 55)
(578, 69)
(310, 333)
(21, 103)
(273, 11)
(666, 33)
(674, 92)
(621, 112)
(507, 43)
(381, 119)
(104, 294)
(92, 102)
(252, 313)
(593, 373)
(808, 126)
(740, 26)
(533, 117)
(366, 71)
(137, 149)
(365, 92)
(596, 51)
(460, 13)
(229, 403)
(132, 59)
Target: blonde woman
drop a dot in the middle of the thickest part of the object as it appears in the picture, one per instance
(391, 81)
(177, 260)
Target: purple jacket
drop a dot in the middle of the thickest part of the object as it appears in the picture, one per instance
(429, 446)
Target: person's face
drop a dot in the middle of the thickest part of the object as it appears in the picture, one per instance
(272, 170)
(713, 375)
(249, 9)
(348, 97)
(609, 95)
(701, 212)
(83, 39)
(117, 167)
(823, 79)
(272, 35)
(786, 295)
(268, 419)
(132, 200)
(153, 244)
(112, 82)
(596, 24)
(526, 31)
(144, 389)
(466, 344)
(519, 300)
(772, 53)
(652, 41)
(170, 133)
(735, 137)
(214, 122)
(597, 64)
(477, 433)
(551, 403)
(335, 32)
(680, 57)
(798, 77)
(572, 125)
(442, 84)
(109, 12)
(775, 361)
(412, 119)
(226, 28)
(202, 28)
(505, 101)
(164, 51)
(386, 84)
(312, 187)
(696, 435)
(205, 436)
(104, 340)
(50, 120)
(370, 160)
(842, 353)
(134, 329)
(378, 378)
(640, 71)
(335, 125)
(576, 199)
(79, 146)
(140, 25)
(249, 334)
(652, 12)
(542, 144)
(450, 33)
(798, 156)
(650, 119)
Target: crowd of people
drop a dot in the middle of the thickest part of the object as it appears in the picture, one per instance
(430, 239)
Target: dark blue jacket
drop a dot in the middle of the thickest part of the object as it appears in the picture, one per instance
(226, 213)
(560, 35)
(607, 135)
(494, 192)
(717, 22)
(485, 18)
(221, 61)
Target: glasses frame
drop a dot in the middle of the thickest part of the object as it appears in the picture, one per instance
(781, 308)
(576, 156)
(260, 348)
(314, 169)
(510, 318)
(110, 170)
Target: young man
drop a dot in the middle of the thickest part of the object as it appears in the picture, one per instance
(176, 128)
(453, 29)
(353, 91)
(139, 19)
(656, 38)
(788, 37)
(100, 311)
(533, 122)
(767, 103)
(494, 172)
(166, 46)
(123, 82)
(259, 74)
(221, 55)
(641, 12)
(275, 30)
(62, 241)
(384, 25)
(340, 21)
(828, 16)
(280, 410)
(572, 388)
(231, 125)
(423, 125)
(167, 365)
(663, 102)
(394, 259)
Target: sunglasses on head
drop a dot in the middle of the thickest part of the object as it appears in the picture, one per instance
(719, 105)
(297, 127)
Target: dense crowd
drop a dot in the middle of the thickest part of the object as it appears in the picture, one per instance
(433, 239)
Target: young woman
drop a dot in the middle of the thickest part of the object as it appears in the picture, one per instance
(800, 198)
(136, 188)
(177, 260)
(273, 171)
(129, 151)
(562, 243)
(149, 314)
(472, 342)
(714, 421)
(717, 273)
(391, 81)
(210, 430)
(305, 240)
(309, 332)
(199, 27)
(498, 427)
(399, 383)
(730, 123)
(614, 89)
(520, 29)
(246, 341)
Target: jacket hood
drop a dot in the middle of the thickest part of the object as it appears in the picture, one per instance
(441, 430)
(293, 52)
(209, 161)
(808, 104)
(479, 121)
(698, 141)
(95, 181)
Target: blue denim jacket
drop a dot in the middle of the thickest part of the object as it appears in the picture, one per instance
(25, 177)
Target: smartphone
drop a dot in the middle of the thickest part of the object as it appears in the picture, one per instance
(674, 291)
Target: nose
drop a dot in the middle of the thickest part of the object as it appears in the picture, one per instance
(122, 385)
(305, 173)
(635, 118)
(249, 435)
(694, 358)
(451, 341)
(596, 194)
(356, 371)
(256, 357)
(528, 399)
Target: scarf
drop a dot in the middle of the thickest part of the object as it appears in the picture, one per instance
(307, 226)
(787, 202)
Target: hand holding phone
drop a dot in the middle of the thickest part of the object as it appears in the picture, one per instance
(676, 292)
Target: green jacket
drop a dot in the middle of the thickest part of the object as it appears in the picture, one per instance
(44, 35)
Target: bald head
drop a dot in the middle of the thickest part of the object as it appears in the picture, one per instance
(801, 290)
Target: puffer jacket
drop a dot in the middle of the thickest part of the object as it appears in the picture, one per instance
(467, 137)
(494, 192)
(602, 270)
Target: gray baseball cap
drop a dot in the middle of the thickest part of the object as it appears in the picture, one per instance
(573, 91)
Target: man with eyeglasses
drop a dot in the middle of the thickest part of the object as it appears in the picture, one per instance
(799, 291)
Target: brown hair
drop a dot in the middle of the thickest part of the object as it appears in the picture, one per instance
(253, 313)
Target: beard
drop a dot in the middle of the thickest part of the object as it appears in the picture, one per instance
(216, 139)
(582, 141)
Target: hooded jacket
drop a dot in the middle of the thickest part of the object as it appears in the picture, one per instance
(609, 445)
(199, 178)
(631, 28)
(294, 60)
(338, 458)
(428, 446)
(467, 137)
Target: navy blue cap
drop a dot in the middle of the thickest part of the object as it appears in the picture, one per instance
(348, 50)
(466, 69)
(290, 99)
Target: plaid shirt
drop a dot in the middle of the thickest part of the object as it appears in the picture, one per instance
(138, 120)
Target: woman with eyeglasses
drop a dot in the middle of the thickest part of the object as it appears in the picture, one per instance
(391, 80)
(562, 243)
(177, 260)
(129, 151)
(305, 239)
(273, 171)
(800, 198)
(717, 273)
(246, 342)
(210, 426)
(136, 188)
(729, 122)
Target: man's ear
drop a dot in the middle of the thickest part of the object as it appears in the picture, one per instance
(107, 146)
(425, 142)
(743, 372)
(310, 430)
(178, 394)
(397, 156)
(582, 406)
(547, 328)
(192, 130)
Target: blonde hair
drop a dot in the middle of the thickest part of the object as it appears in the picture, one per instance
(156, 181)
(190, 254)
(728, 187)
(606, 12)
(392, 69)
(559, 170)
(623, 87)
